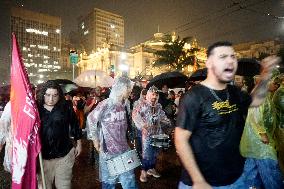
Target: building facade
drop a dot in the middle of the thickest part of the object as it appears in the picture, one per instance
(136, 62)
(39, 38)
(99, 29)
(258, 49)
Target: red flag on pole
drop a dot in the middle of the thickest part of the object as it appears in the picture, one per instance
(25, 125)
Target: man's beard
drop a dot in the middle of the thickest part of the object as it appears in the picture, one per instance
(153, 101)
(219, 77)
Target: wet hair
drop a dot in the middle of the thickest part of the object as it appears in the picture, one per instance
(218, 44)
(153, 89)
(50, 84)
(121, 86)
(144, 92)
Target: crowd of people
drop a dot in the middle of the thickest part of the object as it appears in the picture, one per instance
(224, 136)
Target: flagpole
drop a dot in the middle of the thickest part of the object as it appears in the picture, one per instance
(41, 170)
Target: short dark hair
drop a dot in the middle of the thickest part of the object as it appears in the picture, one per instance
(218, 44)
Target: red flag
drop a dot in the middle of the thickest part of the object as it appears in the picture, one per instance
(25, 125)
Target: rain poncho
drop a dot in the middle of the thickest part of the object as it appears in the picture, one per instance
(278, 100)
(143, 116)
(259, 120)
(107, 124)
(6, 136)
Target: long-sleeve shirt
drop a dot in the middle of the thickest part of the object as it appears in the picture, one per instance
(56, 127)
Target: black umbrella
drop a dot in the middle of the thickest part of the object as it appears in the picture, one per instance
(198, 75)
(63, 81)
(65, 84)
(248, 67)
(171, 79)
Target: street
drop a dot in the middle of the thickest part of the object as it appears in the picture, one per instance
(85, 174)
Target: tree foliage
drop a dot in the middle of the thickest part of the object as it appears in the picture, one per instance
(175, 55)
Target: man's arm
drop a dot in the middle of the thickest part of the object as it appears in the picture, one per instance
(260, 90)
(185, 153)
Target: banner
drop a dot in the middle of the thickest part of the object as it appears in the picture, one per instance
(25, 125)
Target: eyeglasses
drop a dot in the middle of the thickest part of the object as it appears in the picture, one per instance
(51, 95)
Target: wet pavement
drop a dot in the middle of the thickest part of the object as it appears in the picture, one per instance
(86, 177)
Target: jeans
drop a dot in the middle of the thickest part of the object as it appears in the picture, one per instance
(126, 179)
(239, 184)
(263, 173)
(149, 155)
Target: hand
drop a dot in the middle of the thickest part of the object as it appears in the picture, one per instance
(264, 138)
(267, 65)
(78, 148)
(97, 145)
(201, 185)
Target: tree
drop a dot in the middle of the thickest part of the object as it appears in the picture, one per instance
(175, 55)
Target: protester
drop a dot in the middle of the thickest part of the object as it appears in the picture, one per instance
(211, 120)
(258, 145)
(93, 100)
(2, 103)
(278, 100)
(6, 136)
(58, 120)
(91, 103)
(78, 106)
(107, 127)
(148, 117)
(138, 131)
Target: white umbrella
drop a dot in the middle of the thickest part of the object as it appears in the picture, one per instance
(94, 78)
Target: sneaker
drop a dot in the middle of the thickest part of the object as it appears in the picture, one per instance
(153, 173)
(143, 176)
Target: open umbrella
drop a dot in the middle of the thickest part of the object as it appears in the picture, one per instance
(66, 85)
(94, 78)
(198, 75)
(171, 79)
(248, 67)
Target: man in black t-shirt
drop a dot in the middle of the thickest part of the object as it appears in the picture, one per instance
(211, 120)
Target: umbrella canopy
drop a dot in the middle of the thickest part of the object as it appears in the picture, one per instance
(248, 67)
(198, 75)
(94, 78)
(171, 79)
(63, 81)
(65, 84)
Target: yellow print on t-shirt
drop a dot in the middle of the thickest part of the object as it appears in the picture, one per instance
(224, 107)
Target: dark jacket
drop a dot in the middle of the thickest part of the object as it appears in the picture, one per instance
(56, 128)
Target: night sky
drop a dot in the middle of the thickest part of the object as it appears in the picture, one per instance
(206, 20)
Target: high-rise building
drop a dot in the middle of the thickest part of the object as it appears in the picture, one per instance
(5, 42)
(99, 29)
(39, 38)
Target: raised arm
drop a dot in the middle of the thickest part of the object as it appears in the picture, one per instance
(260, 90)
(185, 153)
